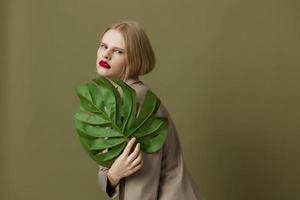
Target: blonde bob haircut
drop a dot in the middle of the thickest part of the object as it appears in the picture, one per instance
(140, 58)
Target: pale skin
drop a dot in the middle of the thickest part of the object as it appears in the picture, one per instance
(112, 50)
(126, 164)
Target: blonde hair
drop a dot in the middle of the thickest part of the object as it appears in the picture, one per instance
(140, 57)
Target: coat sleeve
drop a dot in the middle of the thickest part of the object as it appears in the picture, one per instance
(105, 185)
(175, 181)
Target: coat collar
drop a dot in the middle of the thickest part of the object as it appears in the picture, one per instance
(131, 81)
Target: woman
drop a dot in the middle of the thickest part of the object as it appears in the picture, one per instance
(125, 52)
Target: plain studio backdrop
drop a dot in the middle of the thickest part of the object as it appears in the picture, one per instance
(228, 72)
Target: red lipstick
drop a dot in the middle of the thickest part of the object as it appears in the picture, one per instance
(104, 64)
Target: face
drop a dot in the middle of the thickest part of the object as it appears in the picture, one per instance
(111, 55)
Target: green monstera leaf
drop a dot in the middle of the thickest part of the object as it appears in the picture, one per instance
(108, 119)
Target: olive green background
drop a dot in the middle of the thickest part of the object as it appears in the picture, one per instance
(228, 72)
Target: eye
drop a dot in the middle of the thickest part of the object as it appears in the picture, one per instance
(102, 46)
(119, 52)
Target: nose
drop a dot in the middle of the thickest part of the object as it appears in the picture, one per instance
(106, 55)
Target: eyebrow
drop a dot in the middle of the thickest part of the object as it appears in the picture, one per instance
(113, 47)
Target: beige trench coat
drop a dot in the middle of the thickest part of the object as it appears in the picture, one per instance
(163, 176)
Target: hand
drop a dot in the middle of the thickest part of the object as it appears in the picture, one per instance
(126, 164)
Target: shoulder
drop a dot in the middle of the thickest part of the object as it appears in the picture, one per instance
(141, 90)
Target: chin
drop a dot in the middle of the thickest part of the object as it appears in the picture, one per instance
(102, 73)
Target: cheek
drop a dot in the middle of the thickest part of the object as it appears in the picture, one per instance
(99, 52)
(123, 61)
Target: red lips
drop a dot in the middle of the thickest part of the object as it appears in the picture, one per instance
(104, 64)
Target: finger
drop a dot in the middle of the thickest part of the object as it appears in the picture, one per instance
(129, 146)
(136, 168)
(137, 161)
(134, 154)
